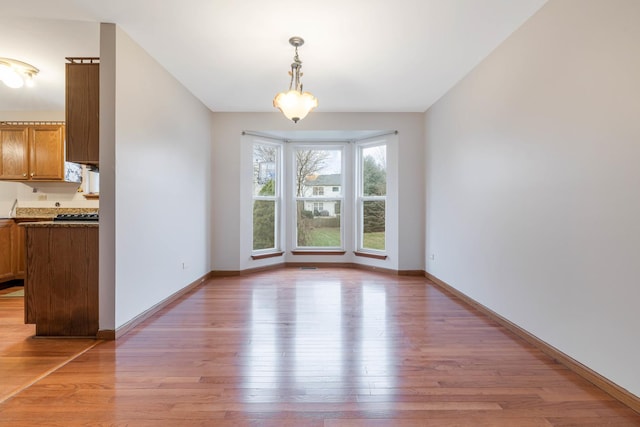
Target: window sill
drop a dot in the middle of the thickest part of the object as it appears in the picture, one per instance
(269, 255)
(369, 255)
(318, 252)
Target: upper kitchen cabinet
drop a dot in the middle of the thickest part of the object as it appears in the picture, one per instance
(83, 110)
(14, 152)
(32, 152)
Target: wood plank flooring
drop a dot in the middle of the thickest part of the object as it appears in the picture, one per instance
(24, 359)
(326, 347)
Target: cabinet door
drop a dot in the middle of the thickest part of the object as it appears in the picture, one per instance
(19, 249)
(6, 250)
(46, 146)
(82, 112)
(14, 152)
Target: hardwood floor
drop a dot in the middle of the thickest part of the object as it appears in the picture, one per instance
(326, 347)
(24, 359)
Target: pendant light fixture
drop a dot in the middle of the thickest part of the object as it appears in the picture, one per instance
(295, 104)
(15, 74)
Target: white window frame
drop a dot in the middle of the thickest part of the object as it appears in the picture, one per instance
(292, 147)
(361, 198)
(276, 198)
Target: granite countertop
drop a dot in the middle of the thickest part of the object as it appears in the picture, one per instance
(61, 224)
(49, 213)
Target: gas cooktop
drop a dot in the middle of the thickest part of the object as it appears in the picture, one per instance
(77, 217)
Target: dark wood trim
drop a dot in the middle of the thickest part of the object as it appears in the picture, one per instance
(377, 269)
(369, 255)
(318, 252)
(224, 273)
(411, 273)
(127, 327)
(106, 334)
(233, 273)
(269, 255)
(320, 264)
(606, 385)
(261, 269)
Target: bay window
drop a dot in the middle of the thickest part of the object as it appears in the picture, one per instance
(322, 198)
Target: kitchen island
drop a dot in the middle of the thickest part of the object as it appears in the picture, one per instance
(61, 281)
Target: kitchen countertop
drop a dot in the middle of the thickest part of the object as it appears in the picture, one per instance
(48, 213)
(61, 224)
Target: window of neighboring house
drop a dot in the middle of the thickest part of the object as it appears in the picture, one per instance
(335, 189)
(371, 196)
(266, 196)
(317, 220)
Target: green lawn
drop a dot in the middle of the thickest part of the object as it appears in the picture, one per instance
(374, 240)
(330, 237)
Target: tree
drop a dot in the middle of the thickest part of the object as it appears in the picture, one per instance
(264, 211)
(374, 177)
(374, 183)
(308, 162)
(264, 217)
(264, 163)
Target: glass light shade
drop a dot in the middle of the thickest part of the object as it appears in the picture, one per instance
(29, 80)
(295, 105)
(10, 77)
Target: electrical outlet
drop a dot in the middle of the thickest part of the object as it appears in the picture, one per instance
(432, 257)
(184, 265)
(42, 197)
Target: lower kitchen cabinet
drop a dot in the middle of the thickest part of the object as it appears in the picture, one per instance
(61, 283)
(20, 247)
(7, 244)
(12, 249)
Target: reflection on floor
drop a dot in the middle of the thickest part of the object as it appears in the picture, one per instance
(319, 348)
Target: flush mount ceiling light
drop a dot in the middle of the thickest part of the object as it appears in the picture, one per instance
(15, 74)
(295, 104)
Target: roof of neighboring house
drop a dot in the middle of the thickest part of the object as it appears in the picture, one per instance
(323, 180)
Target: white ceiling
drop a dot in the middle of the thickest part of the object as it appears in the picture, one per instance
(234, 55)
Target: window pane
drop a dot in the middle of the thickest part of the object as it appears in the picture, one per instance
(318, 172)
(374, 171)
(264, 224)
(373, 229)
(319, 224)
(264, 170)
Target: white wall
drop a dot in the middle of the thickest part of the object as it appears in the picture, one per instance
(35, 116)
(532, 183)
(8, 193)
(158, 172)
(231, 213)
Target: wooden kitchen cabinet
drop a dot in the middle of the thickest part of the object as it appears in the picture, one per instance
(83, 110)
(46, 152)
(14, 152)
(12, 249)
(32, 152)
(19, 249)
(7, 243)
(61, 284)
